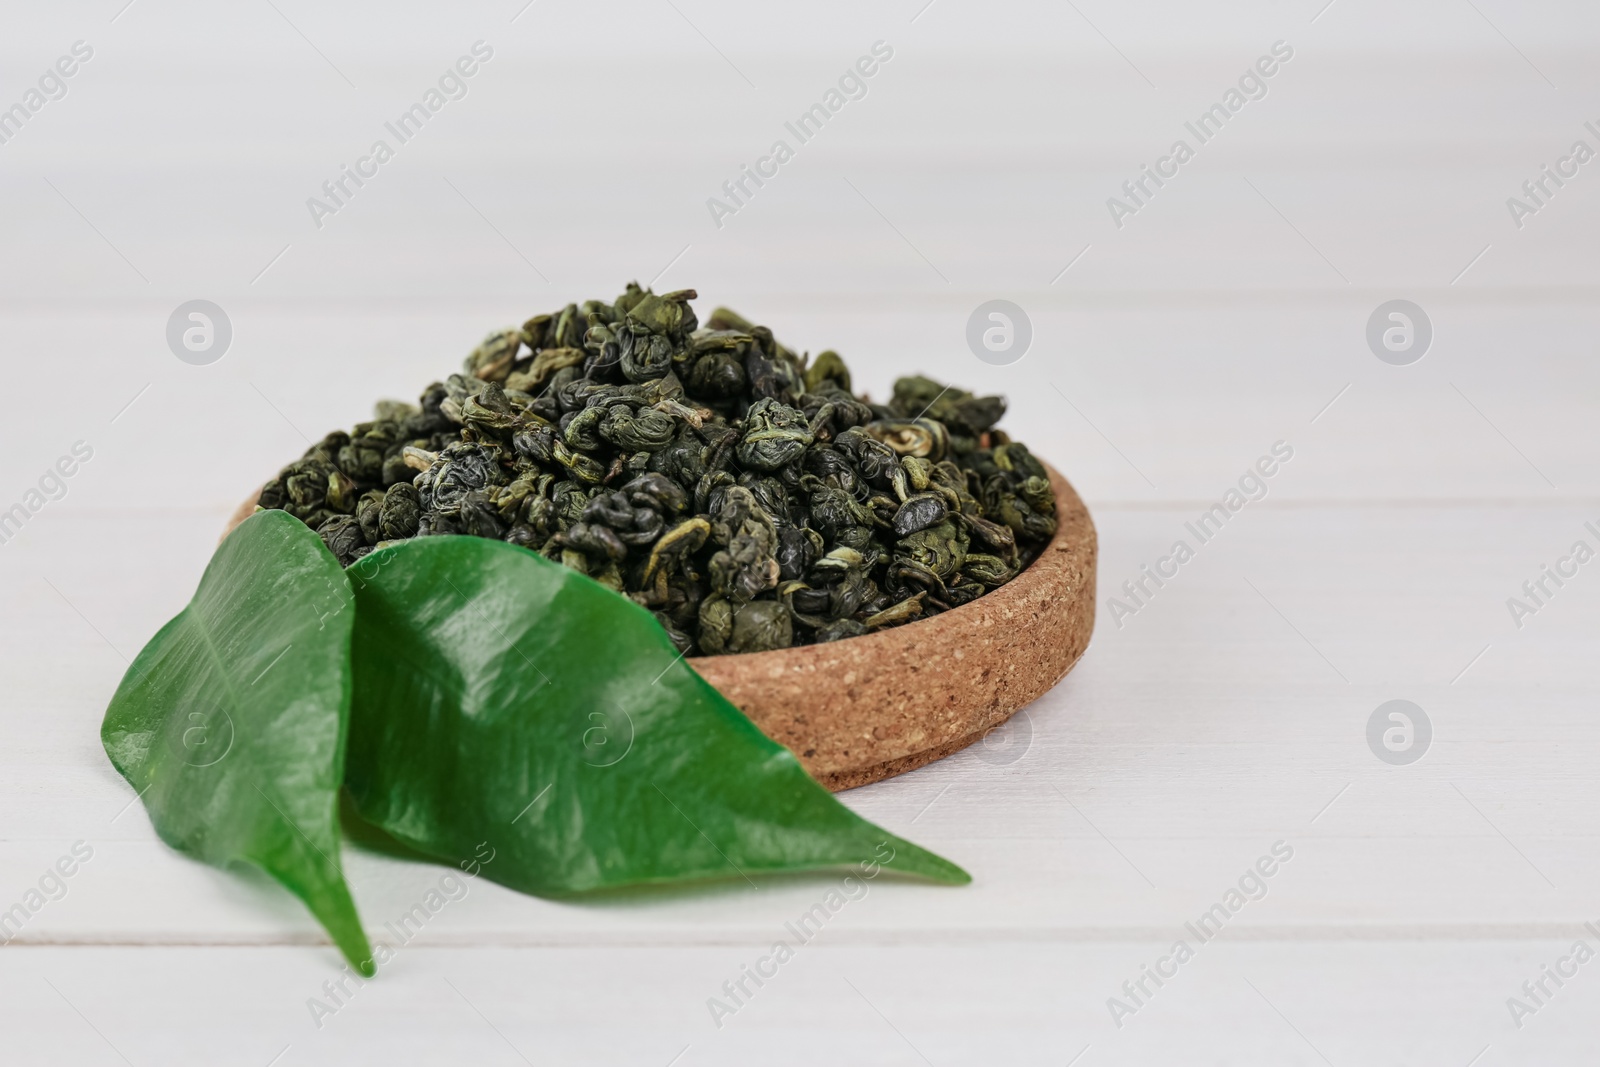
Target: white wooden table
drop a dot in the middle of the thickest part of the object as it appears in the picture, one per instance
(1227, 715)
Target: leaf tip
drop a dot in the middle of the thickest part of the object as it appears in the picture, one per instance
(914, 859)
(352, 943)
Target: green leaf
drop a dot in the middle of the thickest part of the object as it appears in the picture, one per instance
(503, 698)
(231, 722)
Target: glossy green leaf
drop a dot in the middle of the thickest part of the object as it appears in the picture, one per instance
(231, 722)
(503, 698)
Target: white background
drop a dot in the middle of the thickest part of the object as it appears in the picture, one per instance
(1228, 714)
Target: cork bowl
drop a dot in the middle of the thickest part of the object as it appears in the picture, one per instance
(867, 708)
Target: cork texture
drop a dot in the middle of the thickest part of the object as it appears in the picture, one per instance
(867, 708)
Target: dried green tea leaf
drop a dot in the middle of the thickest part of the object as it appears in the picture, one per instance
(504, 698)
(231, 721)
(546, 436)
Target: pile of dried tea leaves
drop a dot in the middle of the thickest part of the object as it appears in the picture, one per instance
(741, 493)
